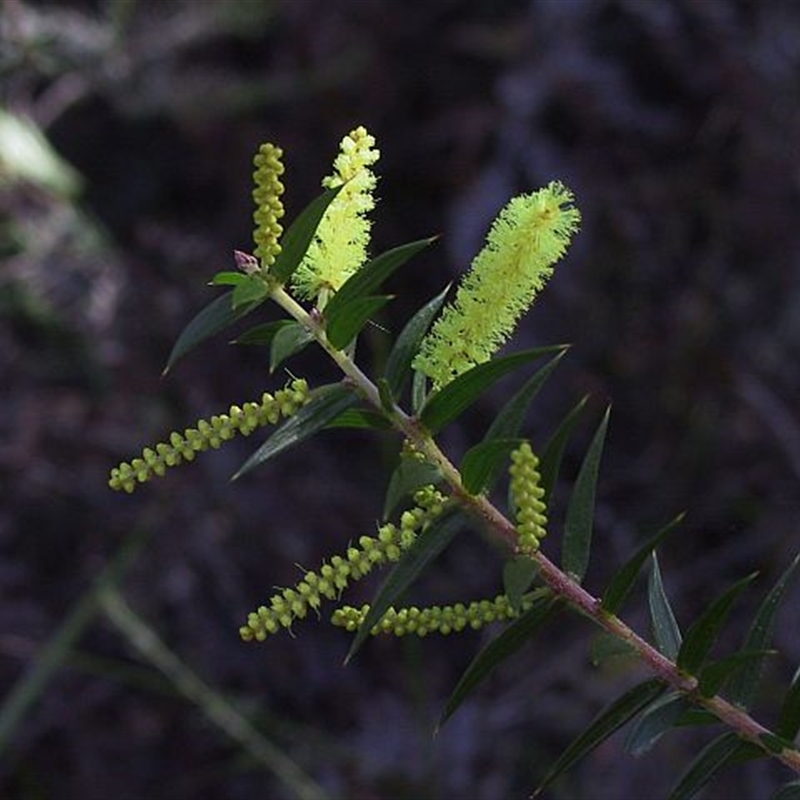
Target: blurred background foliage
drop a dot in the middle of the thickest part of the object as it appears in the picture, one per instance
(127, 129)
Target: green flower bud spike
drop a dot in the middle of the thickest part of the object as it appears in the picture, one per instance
(527, 494)
(340, 246)
(330, 580)
(209, 434)
(529, 235)
(269, 208)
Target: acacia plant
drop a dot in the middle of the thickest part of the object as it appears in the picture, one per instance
(319, 273)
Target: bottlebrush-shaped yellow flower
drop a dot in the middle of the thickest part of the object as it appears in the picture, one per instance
(340, 246)
(269, 208)
(529, 235)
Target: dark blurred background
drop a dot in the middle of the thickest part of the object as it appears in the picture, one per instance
(127, 131)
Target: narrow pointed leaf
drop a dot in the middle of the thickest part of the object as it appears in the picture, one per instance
(430, 543)
(253, 289)
(410, 474)
(360, 418)
(554, 449)
(262, 335)
(742, 689)
(704, 631)
(228, 278)
(665, 628)
(789, 720)
(373, 274)
(708, 763)
(352, 317)
(463, 391)
(483, 460)
(606, 647)
(296, 240)
(398, 365)
(654, 721)
(621, 584)
(326, 404)
(789, 791)
(514, 636)
(288, 341)
(714, 676)
(579, 519)
(215, 317)
(419, 391)
(610, 720)
(518, 574)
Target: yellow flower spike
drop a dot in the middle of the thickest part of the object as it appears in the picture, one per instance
(340, 246)
(269, 208)
(527, 495)
(526, 239)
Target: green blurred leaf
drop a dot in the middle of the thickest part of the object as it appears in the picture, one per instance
(463, 391)
(518, 574)
(326, 403)
(288, 341)
(713, 676)
(654, 721)
(263, 334)
(216, 316)
(704, 631)
(665, 628)
(579, 519)
(610, 720)
(789, 791)
(253, 289)
(351, 317)
(620, 585)
(789, 720)
(516, 634)
(553, 451)
(606, 648)
(362, 418)
(711, 759)
(419, 391)
(398, 365)
(228, 278)
(430, 543)
(372, 275)
(408, 476)
(296, 240)
(480, 462)
(742, 689)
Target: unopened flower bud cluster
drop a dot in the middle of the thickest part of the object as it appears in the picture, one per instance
(527, 495)
(209, 434)
(267, 197)
(335, 575)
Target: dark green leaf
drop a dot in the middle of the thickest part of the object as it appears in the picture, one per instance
(372, 275)
(703, 632)
(516, 634)
(789, 721)
(665, 628)
(327, 403)
(742, 689)
(694, 717)
(295, 241)
(385, 395)
(480, 462)
(713, 676)
(228, 278)
(363, 418)
(606, 647)
(216, 316)
(579, 519)
(398, 365)
(620, 585)
(409, 475)
(518, 574)
(253, 289)
(789, 791)
(775, 744)
(554, 449)
(419, 391)
(262, 335)
(654, 721)
(463, 391)
(708, 763)
(430, 543)
(611, 719)
(288, 340)
(351, 318)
